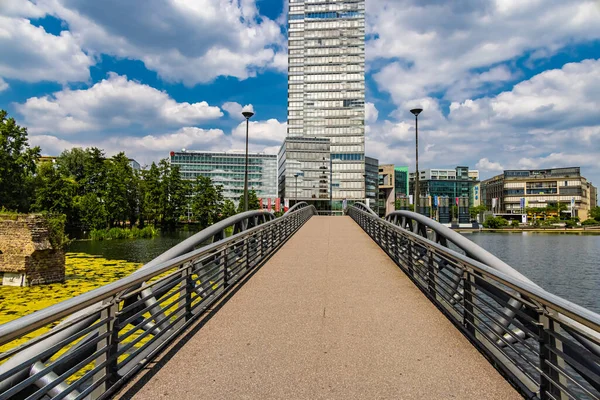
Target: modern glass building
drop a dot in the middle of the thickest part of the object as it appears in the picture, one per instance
(304, 172)
(453, 183)
(227, 169)
(326, 88)
(372, 182)
(401, 181)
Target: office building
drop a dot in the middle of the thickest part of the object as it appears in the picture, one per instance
(393, 185)
(452, 183)
(326, 89)
(401, 182)
(386, 197)
(372, 182)
(513, 191)
(227, 170)
(304, 172)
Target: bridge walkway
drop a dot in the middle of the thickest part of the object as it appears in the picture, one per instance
(329, 316)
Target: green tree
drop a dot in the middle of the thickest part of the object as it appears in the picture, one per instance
(228, 209)
(253, 203)
(477, 210)
(92, 212)
(73, 163)
(54, 192)
(207, 201)
(94, 172)
(150, 190)
(595, 213)
(174, 194)
(120, 189)
(17, 165)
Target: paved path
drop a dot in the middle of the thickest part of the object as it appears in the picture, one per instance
(329, 316)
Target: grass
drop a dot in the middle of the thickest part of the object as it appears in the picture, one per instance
(124, 233)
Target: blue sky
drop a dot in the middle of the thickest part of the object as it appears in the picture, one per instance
(505, 84)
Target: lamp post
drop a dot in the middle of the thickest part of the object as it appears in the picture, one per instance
(247, 115)
(365, 181)
(296, 191)
(416, 112)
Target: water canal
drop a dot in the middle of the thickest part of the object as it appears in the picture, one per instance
(567, 265)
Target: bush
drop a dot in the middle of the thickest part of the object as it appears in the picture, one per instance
(515, 224)
(56, 230)
(495, 223)
(590, 222)
(123, 233)
(570, 223)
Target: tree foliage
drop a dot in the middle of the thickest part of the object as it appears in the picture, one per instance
(595, 213)
(207, 201)
(495, 222)
(253, 203)
(94, 192)
(17, 165)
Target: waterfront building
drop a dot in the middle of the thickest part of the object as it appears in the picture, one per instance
(372, 182)
(305, 171)
(452, 183)
(326, 88)
(227, 170)
(393, 185)
(513, 191)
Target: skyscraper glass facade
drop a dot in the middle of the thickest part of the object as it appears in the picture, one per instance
(326, 88)
(227, 169)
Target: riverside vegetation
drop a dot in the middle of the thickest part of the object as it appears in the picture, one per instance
(104, 195)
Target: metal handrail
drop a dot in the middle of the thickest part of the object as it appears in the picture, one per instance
(547, 346)
(366, 208)
(297, 206)
(443, 234)
(193, 281)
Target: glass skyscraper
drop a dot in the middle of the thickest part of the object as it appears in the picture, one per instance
(326, 88)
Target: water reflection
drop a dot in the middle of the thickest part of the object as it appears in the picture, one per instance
(564, 264)
(138, 250)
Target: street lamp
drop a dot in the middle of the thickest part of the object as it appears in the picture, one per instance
(296, 191)
(416, 112)
(247, 115)
(365, 181)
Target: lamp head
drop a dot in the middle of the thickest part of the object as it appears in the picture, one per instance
(416, 111)
(247, 114)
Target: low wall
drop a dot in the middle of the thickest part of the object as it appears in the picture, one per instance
(26, 254)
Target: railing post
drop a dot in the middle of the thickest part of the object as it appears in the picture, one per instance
(225, 267)
(185, 293)
(111, 342)
(548, 390)
(431, 275)
(468, 309)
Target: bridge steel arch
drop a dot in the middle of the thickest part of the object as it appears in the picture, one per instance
(548, 347)
(100, 338)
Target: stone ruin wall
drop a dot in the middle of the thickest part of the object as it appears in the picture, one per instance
(27, 257)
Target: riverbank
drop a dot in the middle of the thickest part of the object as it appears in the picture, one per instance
(577, 230)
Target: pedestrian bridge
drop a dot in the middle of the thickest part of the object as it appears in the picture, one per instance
(306, 306)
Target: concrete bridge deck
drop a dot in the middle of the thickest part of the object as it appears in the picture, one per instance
(329, 316)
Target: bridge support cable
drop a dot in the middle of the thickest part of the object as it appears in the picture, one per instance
(86, 346)
(546, 346)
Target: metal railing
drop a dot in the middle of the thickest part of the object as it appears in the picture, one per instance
(87, 346)
(546, 346)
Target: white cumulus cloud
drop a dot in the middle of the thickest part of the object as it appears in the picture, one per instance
(115, 102)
